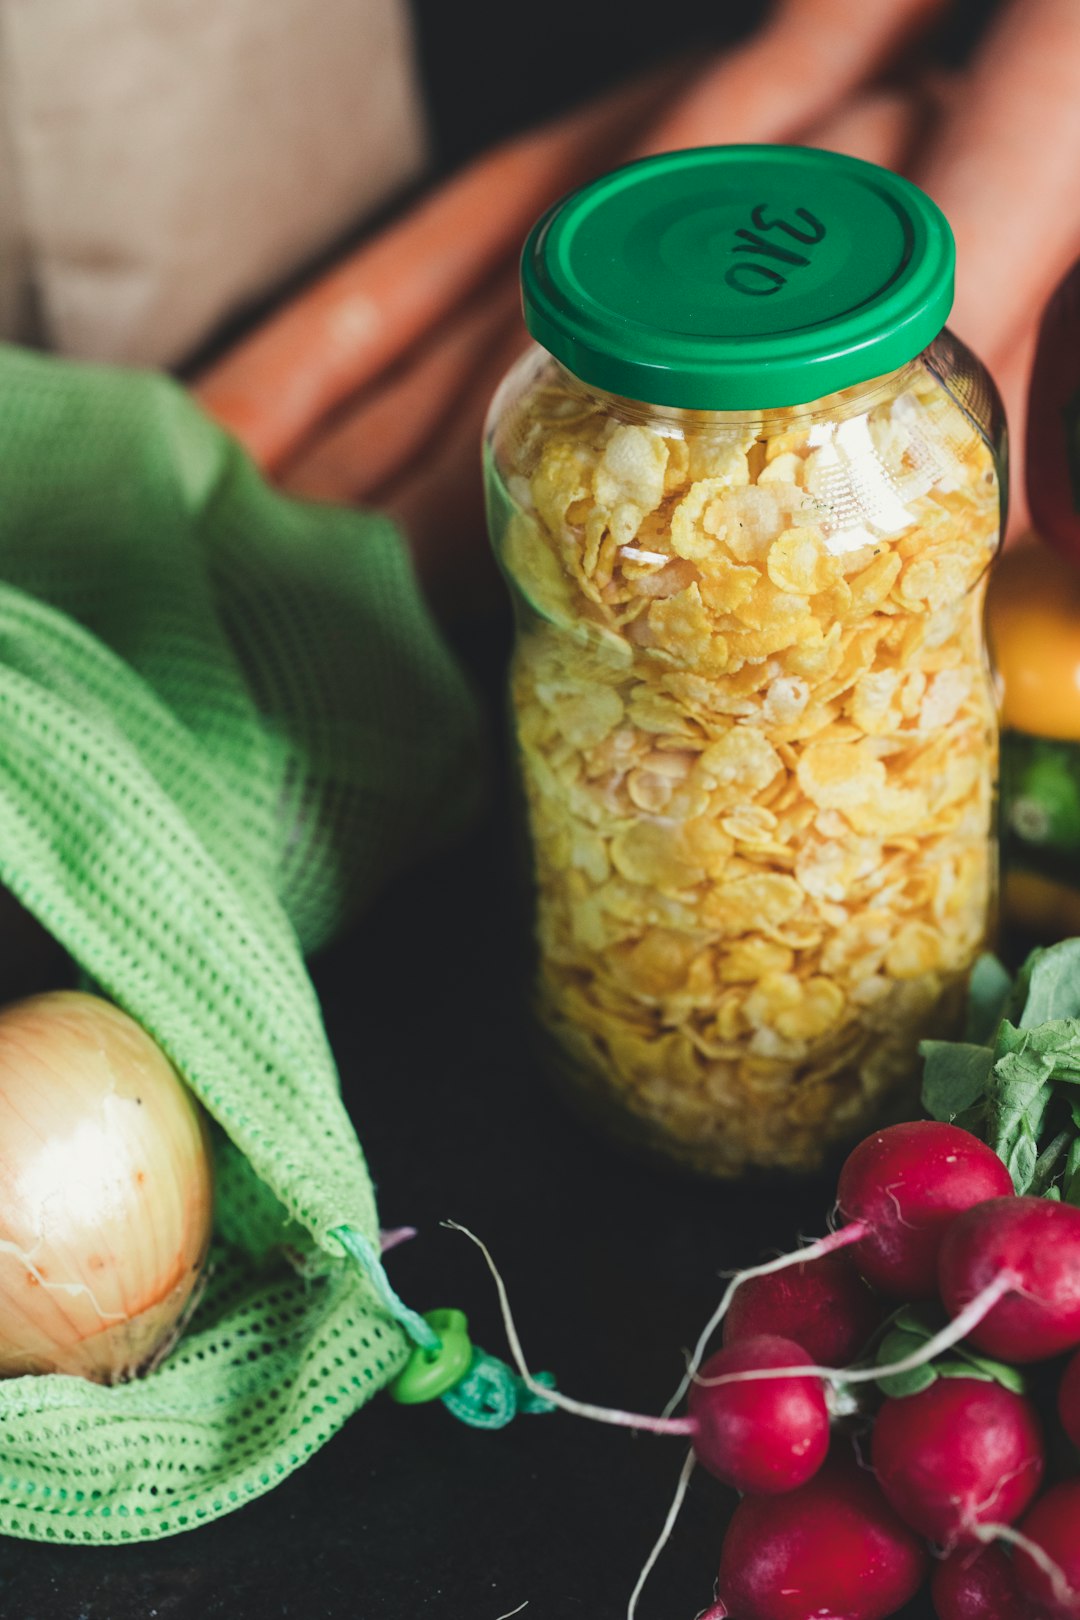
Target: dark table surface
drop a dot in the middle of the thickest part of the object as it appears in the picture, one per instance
(612, 1269)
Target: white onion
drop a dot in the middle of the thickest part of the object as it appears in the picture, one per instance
(106, 1195)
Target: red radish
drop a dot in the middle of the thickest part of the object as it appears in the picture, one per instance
(761, 1437)
(963, 1452)
(1031, 1246)
(833, 1547)
(907, 1183)
(980, 1585)
(824, 1305)
(1053, 1526)
(1068, 1401)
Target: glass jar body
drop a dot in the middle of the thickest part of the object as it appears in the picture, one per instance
(757, 741)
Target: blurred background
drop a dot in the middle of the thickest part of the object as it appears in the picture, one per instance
(313, 213)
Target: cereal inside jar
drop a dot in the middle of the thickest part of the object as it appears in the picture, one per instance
(755, 727)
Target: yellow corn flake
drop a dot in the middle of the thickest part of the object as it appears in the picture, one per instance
(777, 636)
(659, 713)
(584, 717)
(791, 441)
(748, 520)
(750, 959)
(831, 870)
(892, 813)
(650, 791)
(739, 764)
(656, 782)
(798, 562)
(750, 824)
(856, 553)
(817, 718)
(815, 659)
(770, 609)
(747, 905)
(689, 801)
(728, 1023)
(795, 1010)
(774, 994)
(563, 477)
(656, 965)
(819, 1009)
(645, 1058)
(623, 528)
(803, 933)
(707, 843)
(783, 468)
(631, 469)
(535, 569)
(785, 700)
(690, 538)
(639, 903)
(839, 775)
(914, 951)
(723, 457)
(714, 699)
(834, 603)
(872, 586)
(588, 854)
(682, 627)
(938, 580)
(677, 470)
(726, 587)
(947, 692)
(874, 707)
(653, 853)
(656, 578)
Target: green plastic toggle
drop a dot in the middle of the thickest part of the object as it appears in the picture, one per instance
(430, 1373)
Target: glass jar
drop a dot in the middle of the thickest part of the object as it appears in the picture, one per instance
(755, 726)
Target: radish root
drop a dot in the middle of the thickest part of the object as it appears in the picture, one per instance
(555, 1397)
(1063, 1592)
(665, 1534)
(960, 1326)
(813, 1251)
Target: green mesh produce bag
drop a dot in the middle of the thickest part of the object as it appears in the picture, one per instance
(226, 717)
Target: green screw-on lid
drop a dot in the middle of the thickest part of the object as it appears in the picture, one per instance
(738, 277)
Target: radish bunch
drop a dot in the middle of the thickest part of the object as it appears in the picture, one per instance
(901, 1399)
(847, 1506)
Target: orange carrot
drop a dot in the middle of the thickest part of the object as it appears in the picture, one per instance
(439, 500)
(1013, 377)
(880, 126)
(1004, 169)
(330, 340)
(791, 73)
(376, 436)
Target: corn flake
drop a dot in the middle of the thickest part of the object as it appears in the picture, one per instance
(798, 562)
(682, 627)
(632, 469)
(739, 764)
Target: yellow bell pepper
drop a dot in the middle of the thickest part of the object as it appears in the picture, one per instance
(1033, 612)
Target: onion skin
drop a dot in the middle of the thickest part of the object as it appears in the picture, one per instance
(106, 1191)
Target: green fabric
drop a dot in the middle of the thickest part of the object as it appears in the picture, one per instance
(226, 718)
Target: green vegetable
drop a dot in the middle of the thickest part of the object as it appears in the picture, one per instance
(1015, 1080)
(908, 1332)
